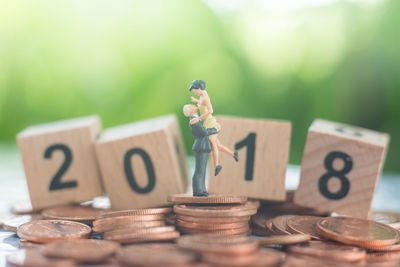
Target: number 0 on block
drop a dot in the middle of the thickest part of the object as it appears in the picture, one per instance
(141, 163)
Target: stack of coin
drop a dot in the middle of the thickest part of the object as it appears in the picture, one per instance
(224, 215)
(156, 254)
(135, 226)
(231, 250)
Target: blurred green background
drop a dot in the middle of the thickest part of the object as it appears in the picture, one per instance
(130, 60)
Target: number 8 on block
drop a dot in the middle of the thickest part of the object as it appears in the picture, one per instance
(340, 168)
(59, 161)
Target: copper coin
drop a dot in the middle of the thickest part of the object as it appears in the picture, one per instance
(13, 222)
(268, 227)
(22, 207)
(132, 232)
(33, 257)
(221, 244)
(72, 213)
(329, 250)
(211, 199)
(359, 232)
(210, 220)
(129, 219)
(263, 257)
(149, 237)
(260, 220)
(383, 256)
(237, 231)
(43, 231)
(109, 227)
(84, 250)
(152, 211)
(258, 231)
(155, 255)
(211, 226)
(395, 247)
(296, 260)
(279, 224)
(28, 244)
(303, 225)
(284, 239)
(216, 211)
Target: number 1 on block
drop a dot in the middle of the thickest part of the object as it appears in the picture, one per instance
(263, 147)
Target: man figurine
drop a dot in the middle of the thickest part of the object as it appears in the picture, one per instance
(201, 148)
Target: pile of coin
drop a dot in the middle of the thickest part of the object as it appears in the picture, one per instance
(215, 232)
(336, 241)
(223, 215)
(231, 250)
(155, 254)
(135, 226)
(278, 211)
(23, 213)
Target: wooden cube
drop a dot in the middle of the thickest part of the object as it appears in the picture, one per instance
(59, 161)
(139, 163)
(340, 169)
(263, 147)
(176, 136)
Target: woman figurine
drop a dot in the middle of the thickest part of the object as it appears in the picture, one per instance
(209, 121)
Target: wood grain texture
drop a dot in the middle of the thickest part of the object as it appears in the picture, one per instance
(271, 158)
(176, 136)
(79, 136)
(366, 149)
(156, 138)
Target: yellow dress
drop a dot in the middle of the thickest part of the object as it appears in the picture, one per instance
(209, 121)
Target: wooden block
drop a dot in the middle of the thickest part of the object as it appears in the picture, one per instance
(176, 136)
(340, 169)
(263, 147)
(139, 163)
(59, 161)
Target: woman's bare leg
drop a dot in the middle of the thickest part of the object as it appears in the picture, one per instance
(215, 152)
(224, 148)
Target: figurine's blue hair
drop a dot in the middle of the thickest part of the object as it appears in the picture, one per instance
(198, 84)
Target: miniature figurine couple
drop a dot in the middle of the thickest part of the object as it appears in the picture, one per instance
(205, 129)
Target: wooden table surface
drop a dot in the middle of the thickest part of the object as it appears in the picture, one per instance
(13, 189)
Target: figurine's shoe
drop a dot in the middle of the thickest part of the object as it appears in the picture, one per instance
(217, 170)
(202, 194)
(236, 156)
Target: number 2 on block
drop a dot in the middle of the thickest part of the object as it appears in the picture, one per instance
(56, 183)
(250, 143)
